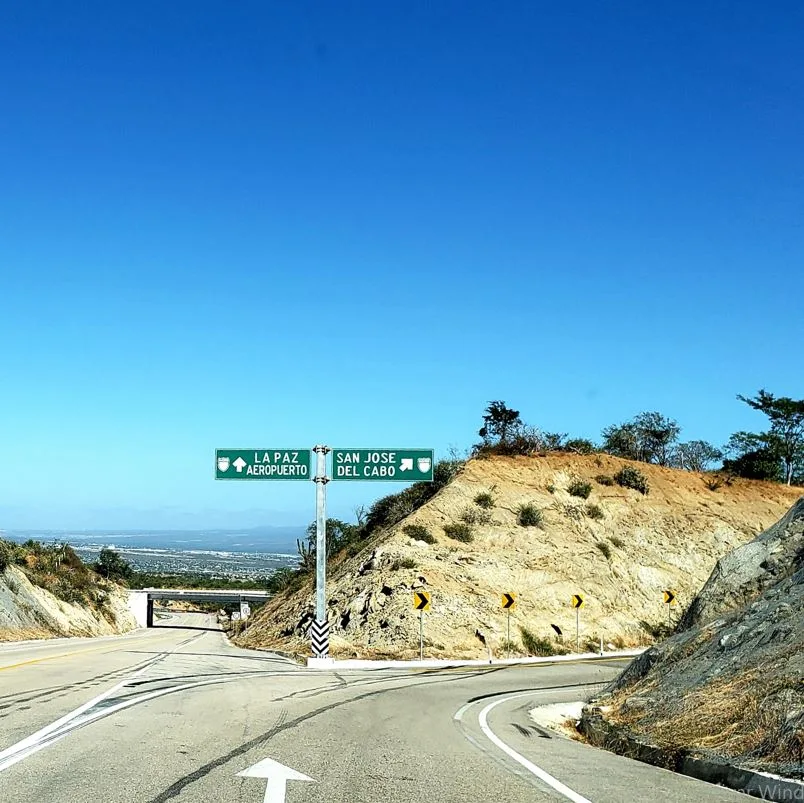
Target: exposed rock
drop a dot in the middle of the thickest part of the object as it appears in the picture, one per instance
(743, 574)
(729, 686)
(27, 609)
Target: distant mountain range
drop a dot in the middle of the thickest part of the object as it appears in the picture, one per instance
(254, 539)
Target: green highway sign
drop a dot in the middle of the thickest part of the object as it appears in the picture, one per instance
(392, 465)
(263, 464)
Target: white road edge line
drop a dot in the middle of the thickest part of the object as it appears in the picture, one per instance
(541, 774)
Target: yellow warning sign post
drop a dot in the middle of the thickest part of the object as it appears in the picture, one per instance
(421, 603)
(508, 604)
(669, 600)
(577, 603)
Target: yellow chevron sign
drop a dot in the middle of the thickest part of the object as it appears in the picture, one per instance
(421, 600)
(509, 601)
(669, 598)
(577, 601)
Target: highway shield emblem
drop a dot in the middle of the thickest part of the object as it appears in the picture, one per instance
(223, 464)
(423, 464)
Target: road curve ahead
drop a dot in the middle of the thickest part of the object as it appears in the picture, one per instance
(176, 714)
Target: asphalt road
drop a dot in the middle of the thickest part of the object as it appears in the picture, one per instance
(175, 713)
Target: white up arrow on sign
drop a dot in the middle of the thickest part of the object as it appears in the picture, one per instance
(406, 464)
(277, 776)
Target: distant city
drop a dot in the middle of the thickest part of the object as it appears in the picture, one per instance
(238, 554)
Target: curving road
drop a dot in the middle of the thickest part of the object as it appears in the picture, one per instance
(175, 713)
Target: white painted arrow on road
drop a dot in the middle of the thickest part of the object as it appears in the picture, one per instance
(406, 464)
(277, 776)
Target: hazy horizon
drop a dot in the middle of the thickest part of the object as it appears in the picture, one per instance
(252, 539)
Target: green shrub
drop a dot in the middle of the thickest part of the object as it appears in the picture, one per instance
(472, 516)
(551, 489)
(630, 477)
(580, 446)
(460, 531)
(604, 479)
(538, 645)
(419, 532)
(403, 563)
(392, 509)
(6, 555)
(604, 548)
(580, 488)
(282, 579)
(485, 499)
(594, 511)
(529, 515)
(714, 483)
(618, 542)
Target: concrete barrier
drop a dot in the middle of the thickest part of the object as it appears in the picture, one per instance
(441, 663)
(138, 605)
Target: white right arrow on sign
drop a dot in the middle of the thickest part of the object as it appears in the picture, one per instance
(277, 776)
(406, 464)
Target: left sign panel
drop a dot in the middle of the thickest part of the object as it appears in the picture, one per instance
(263, 464)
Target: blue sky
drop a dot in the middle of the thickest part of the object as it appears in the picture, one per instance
(277, 224)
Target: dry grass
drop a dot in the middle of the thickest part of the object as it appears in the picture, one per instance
(740, 717)
(24, 634)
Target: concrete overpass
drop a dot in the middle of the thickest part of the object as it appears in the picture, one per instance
(141, 601)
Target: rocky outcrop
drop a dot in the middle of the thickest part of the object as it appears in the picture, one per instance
(728, 687)
(742, 575)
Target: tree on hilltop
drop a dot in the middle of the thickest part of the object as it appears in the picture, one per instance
(696, 455)
(500, 422)
(648, 437)
(750, 455)
(786, 434)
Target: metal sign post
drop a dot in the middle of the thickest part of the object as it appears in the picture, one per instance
(319, 630)
(421, 635)
(392, 465)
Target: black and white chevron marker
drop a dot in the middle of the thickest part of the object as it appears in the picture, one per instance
(319, 638)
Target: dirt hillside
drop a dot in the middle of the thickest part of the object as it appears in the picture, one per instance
(28, 611)
(729, 686)
(620, 562)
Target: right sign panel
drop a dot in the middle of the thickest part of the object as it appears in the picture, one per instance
(389, 465)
